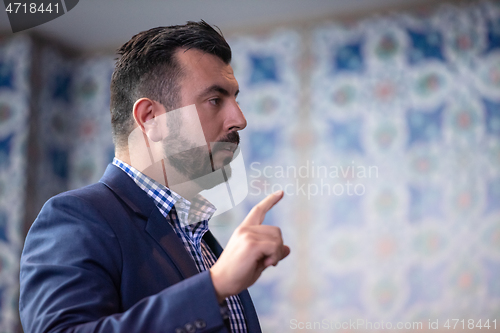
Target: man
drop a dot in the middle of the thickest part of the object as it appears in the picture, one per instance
(130, 253)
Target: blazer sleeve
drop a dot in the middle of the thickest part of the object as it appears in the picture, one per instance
(70, 281)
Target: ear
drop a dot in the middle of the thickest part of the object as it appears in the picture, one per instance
(147, 115)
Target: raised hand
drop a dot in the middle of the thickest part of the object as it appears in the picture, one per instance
(252, 248)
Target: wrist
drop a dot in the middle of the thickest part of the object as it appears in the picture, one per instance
(218, 287)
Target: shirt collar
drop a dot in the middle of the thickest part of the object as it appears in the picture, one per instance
(189, 212)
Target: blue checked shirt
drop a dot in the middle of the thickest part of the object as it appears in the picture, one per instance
(190, 224)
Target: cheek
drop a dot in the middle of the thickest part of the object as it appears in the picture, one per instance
(211, 127)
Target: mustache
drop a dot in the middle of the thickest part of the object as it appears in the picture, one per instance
(231, 137)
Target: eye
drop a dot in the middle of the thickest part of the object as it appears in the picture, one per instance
(214, 101)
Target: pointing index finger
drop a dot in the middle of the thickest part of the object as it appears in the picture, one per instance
(258, 212)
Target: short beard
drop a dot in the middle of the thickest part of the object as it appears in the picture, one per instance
(196, 164)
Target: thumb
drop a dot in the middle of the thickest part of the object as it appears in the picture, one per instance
(286, 252)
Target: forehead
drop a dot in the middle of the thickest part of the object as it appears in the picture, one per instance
(202, 69)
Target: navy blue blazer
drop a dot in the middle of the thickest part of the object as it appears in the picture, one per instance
(104, 259)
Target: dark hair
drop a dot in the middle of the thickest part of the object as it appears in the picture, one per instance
(147, 67)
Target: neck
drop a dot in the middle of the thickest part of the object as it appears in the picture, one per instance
(179, 183)
(165, 174)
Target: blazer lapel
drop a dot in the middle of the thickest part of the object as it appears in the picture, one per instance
(163, 233)
(212, 243)
(156, 226)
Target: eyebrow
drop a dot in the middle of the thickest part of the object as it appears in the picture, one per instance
(219, 89)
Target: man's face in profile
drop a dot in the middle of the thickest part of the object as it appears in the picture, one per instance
(209, 84)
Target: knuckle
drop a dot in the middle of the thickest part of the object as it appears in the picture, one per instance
(248, 238)
(257, 209)
(250, 245)
(275, 232)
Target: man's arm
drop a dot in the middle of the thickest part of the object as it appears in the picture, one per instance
(70, 280)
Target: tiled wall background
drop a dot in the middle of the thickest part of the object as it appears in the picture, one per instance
(400, 113)
(15, 92)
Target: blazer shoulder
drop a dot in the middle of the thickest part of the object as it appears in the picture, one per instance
(84, 204)
(94, 197)
(91, 193)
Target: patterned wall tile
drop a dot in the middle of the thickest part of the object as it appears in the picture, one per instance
(15, 92)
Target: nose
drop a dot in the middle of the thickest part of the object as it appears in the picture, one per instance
(235, 120)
